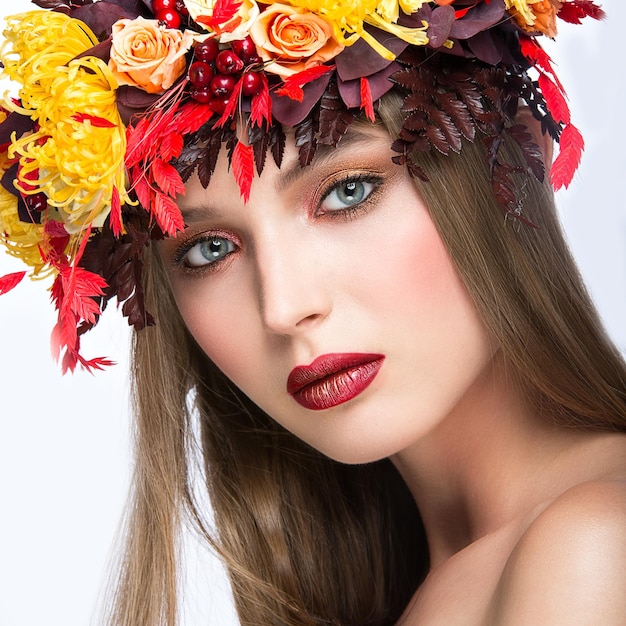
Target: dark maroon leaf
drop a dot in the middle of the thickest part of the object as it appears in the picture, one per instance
(305, 140)
(439, 25)
(479, 18)
(277, 143)
(291, 112)
(101, 16)
(334, 118)
(360, 59)
(530, 150)
(380, 84)
(259, 140)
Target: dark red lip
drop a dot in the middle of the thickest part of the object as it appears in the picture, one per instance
(333, 379)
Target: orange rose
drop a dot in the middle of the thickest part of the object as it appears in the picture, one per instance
(146, 55)
(544, 12)
(293, 38)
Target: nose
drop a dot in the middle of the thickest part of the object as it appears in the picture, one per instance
(293, 287)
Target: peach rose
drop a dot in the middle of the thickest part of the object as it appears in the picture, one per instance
(235, 28)
(146, 55)
(293, 38)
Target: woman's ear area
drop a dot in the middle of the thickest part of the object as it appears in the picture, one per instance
(543, 140)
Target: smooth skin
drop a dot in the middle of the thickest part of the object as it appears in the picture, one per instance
(526, 521)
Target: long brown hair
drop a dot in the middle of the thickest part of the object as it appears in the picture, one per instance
(307, 540)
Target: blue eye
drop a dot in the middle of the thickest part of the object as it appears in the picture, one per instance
(347, 194)
(208, 251)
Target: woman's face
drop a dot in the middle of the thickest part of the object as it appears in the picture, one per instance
(329, 298)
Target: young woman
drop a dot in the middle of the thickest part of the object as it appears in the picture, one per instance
(406, 408)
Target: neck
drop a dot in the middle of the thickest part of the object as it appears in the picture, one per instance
(491, 462)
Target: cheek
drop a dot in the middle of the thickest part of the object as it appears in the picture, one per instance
(221, 326)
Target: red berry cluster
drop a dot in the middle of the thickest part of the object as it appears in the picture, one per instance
(214, 72)
(170, 13)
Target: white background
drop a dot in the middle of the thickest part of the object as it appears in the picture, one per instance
(64, 441)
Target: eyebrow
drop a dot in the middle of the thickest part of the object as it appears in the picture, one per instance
(323, 154)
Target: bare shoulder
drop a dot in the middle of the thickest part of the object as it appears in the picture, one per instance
(569, 567)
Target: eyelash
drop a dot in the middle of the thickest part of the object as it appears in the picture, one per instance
(346, 213)
(363, 206)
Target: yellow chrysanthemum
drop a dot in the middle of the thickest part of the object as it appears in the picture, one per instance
(22, 240)
(78, 149)
(348, 18)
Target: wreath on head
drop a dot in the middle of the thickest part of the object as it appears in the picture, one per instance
(121, 101)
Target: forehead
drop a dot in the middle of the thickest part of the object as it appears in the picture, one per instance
(362, 141)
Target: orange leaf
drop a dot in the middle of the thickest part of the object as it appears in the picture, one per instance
(243, 168)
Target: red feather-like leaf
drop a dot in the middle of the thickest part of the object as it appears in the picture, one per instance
(223, 10)
(143, 191)
(261, 108)
(167, 177)
(135, 144)
(171, 146)
(292, 87)
(115, 218)
(366, 99)
(571, 146)
(64, 334)
(232, 105)
(99, 363)
(539, 57)
(243, 168)
(10, 281)
(167, 214)
(573, 12)
(191, 116)
(100, 122)
(555, 99)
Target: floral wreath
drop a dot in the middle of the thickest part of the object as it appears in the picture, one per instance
(121, 101)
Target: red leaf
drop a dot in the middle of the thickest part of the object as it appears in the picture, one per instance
(115, 218)
(64, 335)
(571, 146)
(231, 107)
(555, 99)
(573, 12)
(366, 99)
(10, 281)
(167, 214)
(539, 57)
(143, 191)
(171, 146)
(292, 87)
(100, 122)
(167, 177)
(99, 363)
(224, 10)
(191, 116)
(262, 103)
(460, 13)
(135, 145)
(81, 290)
(243, 168)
